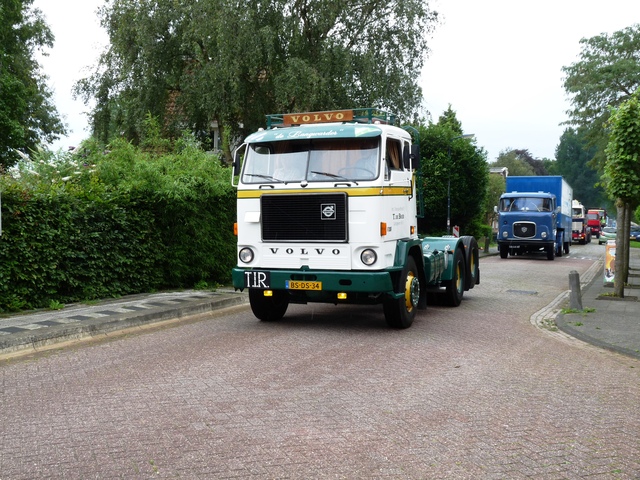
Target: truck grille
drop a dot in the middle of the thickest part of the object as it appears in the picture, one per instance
(524, 229)
(320, 217)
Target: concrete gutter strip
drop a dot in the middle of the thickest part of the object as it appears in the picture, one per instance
(43, 337)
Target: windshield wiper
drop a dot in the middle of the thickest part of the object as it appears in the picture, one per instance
(333, 175)
(266, 177)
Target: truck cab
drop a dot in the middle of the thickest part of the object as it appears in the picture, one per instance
(580, 230)
(596, 220)
(527, 223)
(327, 212)
(534, 215)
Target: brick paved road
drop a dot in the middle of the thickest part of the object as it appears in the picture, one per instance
(330, 392)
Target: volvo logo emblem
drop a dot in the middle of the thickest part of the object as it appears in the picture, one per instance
(524, 229)
(328, 211)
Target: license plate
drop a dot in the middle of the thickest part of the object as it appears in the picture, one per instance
(301, 285)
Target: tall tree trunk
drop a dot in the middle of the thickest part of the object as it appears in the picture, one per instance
(622, 248)
(225, 141)
(626, 240)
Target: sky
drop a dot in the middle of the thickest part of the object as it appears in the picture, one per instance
(79, 39)
(498, 63)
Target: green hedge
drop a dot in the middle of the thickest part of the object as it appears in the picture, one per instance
(105, 224)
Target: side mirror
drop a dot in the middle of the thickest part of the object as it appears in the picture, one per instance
(237, 163)
(412, 158)
(495, 209)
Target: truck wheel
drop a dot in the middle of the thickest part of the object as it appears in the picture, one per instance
(504, 251)
(567, 248)
(471, 251)
(455, 286)
(551, 252)
(559, 246)
(400, 312)
(268, 309)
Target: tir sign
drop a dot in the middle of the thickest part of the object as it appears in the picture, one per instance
(317, 117)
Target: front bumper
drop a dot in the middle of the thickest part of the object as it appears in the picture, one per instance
(332, 281)
(526, 244)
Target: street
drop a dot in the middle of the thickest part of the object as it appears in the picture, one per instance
(476, 391)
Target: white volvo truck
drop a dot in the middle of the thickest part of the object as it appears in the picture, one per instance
(327, 212)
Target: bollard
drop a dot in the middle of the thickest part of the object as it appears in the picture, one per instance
(576, 295)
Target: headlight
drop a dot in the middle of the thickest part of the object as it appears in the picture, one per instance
(246, 255)
(505, 234)
(368, 257)
(543, 234)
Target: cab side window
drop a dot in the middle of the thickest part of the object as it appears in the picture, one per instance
(393, 158)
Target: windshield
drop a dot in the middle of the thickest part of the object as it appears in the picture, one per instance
(518, 204)
(316, 160)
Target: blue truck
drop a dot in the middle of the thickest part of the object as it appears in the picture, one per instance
(534, 215)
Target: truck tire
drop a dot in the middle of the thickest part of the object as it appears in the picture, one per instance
(472, 255)
(567, 248)
(268, 309)
(455, 286)
(400, 312)
(551, 252)
(560, 246)
(504, 251)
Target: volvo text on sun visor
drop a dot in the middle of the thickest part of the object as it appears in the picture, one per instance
(314, 131)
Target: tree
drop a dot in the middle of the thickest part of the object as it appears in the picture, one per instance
(449, 119)
(607, 74)
(444, 159)
(537, 165)
(622, 177)
(572, 162)
(517, 161)
(27, 115)
(495, 188)
(193, 64)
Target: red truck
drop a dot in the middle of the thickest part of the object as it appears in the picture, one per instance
(596, 219)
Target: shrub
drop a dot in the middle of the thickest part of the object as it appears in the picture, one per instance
(112, 221)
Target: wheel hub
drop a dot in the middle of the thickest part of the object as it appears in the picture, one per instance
(412, 292)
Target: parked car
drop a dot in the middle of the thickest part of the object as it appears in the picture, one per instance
(635, 233)
(607, 233)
